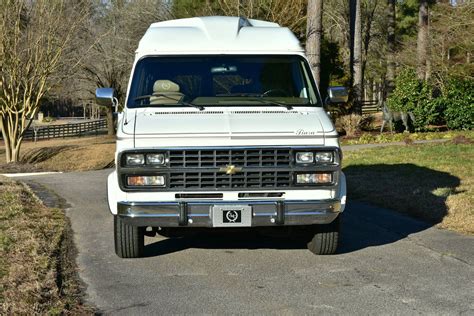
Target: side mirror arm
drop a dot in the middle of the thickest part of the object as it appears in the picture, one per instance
(115, 104)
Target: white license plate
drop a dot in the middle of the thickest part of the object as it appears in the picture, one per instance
(232, 216)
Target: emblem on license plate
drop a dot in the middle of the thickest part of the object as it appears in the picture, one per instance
(232, 216)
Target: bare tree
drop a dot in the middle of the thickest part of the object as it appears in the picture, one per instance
(289, 13)
(314, 28)
(115, 33)
(337, 29)
(422, 70)
(368, 11)
(33, 38)
(357, 57)
(451, 41)
(391, 45)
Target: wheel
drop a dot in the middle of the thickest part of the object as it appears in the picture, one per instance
(129, 240)
(326, 238)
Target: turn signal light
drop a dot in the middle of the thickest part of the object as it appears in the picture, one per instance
(146, 181)
(314, 178)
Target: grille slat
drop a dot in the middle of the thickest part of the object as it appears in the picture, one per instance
(187, 180)
(218, 158)
(221, 158)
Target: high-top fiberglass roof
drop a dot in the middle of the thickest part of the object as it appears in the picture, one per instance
(217, 35)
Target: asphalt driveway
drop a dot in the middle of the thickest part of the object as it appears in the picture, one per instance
(388, 263)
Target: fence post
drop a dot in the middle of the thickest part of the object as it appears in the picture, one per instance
(35, 130)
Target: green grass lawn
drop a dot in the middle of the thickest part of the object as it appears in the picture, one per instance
(377, 138)
(434, 182)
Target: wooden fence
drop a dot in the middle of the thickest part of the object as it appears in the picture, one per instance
(66, 130)
(369, 107)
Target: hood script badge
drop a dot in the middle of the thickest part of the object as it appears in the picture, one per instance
(230, 169)
(302, 132)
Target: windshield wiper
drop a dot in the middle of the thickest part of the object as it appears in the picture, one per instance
(272, 102)
(200, 107)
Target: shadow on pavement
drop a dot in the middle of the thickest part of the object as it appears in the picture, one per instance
(411, 189)
(416, 191)
(224, 240)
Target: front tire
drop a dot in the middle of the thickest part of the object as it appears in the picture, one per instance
(326, 238)
(129, 240)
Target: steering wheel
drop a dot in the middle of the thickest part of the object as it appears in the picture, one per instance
(275, 93)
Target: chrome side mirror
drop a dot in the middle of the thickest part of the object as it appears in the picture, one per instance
(337, 95)
(105, 96)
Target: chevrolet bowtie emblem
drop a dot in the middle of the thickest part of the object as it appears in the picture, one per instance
(230, 169)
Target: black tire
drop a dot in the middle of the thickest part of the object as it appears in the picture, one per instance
(129, 240)
(326, 238)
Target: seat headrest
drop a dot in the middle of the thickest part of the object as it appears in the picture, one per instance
(161, 86)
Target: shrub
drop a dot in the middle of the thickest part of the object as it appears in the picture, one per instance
(406, 94)
(367, 122)
(416, 96)
(458, 98)
(353, 124)
(429, 110)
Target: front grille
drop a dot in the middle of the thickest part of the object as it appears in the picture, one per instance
(224, 157)
(245, 179)
(252, 169)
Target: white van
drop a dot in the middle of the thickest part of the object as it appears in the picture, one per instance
(223, 127)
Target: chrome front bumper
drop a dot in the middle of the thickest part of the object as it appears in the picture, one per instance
(199, 213)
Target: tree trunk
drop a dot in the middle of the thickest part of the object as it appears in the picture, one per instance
(357, 62)
(422, 70)
(110, 121)
(6, 139)
(391, 46)
(12, 128)
(366, 38)
(16, 151)
(314, 30)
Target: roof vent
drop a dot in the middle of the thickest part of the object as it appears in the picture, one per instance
(243, 22)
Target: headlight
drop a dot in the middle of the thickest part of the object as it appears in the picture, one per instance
(155, 159)
(324, 157)
(134, 159)
(305, 157)
(146, 181)
(314, 178)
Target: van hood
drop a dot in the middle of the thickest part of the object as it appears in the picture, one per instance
(227, 123)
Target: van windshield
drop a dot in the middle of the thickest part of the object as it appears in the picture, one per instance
(222, 80)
